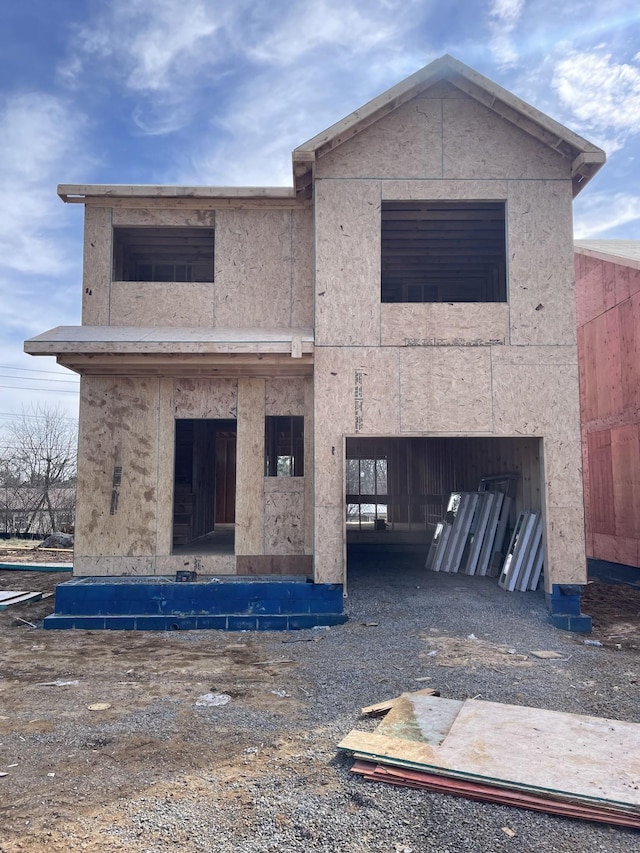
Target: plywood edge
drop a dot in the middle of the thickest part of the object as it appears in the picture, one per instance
(382, 747)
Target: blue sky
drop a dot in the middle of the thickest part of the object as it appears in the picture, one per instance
(218, 92)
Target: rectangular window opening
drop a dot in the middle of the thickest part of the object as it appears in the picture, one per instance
(443, 251)
(284, 446)
(367, 493)
(163, 254)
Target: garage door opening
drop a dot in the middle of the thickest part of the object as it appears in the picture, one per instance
(204, 495)
(398, 490)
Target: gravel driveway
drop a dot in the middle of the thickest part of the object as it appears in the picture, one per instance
(156, 772)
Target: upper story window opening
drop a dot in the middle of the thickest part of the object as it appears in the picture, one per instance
(163, 254)
(443, 251)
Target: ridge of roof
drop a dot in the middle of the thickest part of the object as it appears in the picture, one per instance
(586, 158)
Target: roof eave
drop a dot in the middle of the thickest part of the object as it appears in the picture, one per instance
(81, 193)
(584, 167)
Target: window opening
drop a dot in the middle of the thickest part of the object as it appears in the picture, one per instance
(284, 446)
(442, 251)
(163, 254)
(367, 493)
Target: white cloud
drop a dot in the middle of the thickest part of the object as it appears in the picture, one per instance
(298, 87)
(170, 55)
(39, 139)
(167, 45)
(150, 45)
(504, 16)
(41, 144)
(161, 53)
(330, 24)
(600, 214)
(602, 94)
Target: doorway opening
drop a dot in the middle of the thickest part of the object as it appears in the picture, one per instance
(397, 490)
(204, 486)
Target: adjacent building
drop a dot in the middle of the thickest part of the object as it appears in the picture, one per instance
(608, 313)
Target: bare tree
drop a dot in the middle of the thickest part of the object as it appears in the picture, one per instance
(42, 460)
(9, 486)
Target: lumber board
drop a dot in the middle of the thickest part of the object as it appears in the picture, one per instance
(7, 594)
(488, 793)
(10, 597)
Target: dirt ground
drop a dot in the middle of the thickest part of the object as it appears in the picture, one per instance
(71, 751)
(49, 681)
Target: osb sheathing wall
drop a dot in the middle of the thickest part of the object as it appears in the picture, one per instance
(263, 274)
(437, 369)
(608, 307)
(125, 476)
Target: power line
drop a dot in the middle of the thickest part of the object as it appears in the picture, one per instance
(30, 369)
(32, 417)
(37, 379)
(52, 390)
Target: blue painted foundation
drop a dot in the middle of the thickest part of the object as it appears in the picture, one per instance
(608, 572)
(225, 604)
(563, 603)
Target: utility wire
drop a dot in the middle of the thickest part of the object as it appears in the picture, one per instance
(52, 390)
(32, 417)
(31, 370)
(37, 379)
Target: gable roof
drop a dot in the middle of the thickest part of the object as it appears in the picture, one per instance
(585, 157)
(623, 252)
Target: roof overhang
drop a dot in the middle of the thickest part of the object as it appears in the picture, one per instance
(148, 195)
(585, 157)
(134, 350)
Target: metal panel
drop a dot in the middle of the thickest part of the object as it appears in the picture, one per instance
(480, 531)
(518, 549)
(529, 557)
(495, 524)
(461, 531)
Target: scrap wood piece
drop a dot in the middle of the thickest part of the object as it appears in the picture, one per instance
(381, 708)
(421, 780)
(416, 717)
(373, 746)
(9, 597)
(24, 622)
(545, 655)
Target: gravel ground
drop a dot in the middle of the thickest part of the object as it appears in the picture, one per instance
(262, 772)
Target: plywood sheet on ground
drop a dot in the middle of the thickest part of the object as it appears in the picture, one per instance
(590, 759)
